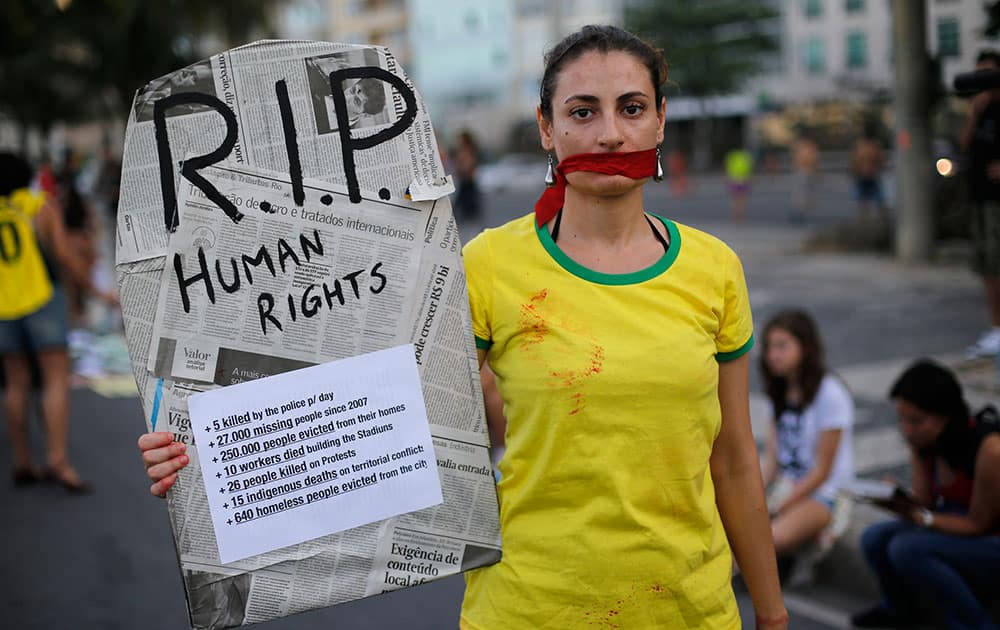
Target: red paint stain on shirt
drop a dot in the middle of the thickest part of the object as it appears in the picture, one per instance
(596, 361)
(594, 366)
(535, 326)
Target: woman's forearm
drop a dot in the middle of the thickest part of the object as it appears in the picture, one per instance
(739, 497)
(922, 471)
(826, 455)
(769, 468)
(957, 524)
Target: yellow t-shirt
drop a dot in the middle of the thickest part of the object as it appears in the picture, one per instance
(25, 285)
(610, 389)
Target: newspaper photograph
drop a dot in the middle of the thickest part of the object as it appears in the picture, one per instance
(367, 102)
(284, 206)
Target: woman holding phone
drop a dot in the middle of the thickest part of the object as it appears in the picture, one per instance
(948, 538)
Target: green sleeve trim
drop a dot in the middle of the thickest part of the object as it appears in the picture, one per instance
(722, 357)
(483, 344)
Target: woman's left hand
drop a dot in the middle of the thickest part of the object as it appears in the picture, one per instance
(920, 516)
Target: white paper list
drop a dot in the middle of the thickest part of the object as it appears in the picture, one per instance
(303, 454)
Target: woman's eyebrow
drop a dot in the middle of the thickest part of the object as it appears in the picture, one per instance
(627, 96)
(590, 98)
(586, 98)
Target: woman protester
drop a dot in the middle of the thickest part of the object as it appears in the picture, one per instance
(809, 456)
(34, 246)
(948, 540)
(618, 339)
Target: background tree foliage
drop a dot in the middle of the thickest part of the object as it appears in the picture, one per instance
(41, 80)
(87, 59)
(993, 19)
(711, 46)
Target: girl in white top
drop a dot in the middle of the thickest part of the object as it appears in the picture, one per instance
(809, 448)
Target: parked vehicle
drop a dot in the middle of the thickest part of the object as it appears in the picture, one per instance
(514, 171)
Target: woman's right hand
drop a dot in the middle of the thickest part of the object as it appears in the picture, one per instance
(163, 457)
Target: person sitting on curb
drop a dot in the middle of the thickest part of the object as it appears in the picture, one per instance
(809, 448)
(949, 535)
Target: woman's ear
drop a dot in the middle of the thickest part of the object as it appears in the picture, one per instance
(544, 129)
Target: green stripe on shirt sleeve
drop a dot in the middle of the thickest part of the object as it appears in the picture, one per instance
(483, 344)
(735, 354)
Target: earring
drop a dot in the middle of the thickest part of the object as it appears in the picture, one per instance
(659, 168)
(550, 174)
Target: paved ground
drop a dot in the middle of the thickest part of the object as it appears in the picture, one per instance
(106, 561)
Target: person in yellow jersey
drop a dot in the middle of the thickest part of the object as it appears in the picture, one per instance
(33, 320)
(739, 168)
(618, 339)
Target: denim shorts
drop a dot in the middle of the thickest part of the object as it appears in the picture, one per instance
(45, 329)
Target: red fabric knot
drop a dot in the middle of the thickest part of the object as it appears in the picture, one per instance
(634, 164)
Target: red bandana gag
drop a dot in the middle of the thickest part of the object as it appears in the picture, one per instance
(634, 164)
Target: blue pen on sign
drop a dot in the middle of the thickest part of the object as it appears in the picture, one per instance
(156, 403)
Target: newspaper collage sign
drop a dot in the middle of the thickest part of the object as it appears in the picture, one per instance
(283, 207)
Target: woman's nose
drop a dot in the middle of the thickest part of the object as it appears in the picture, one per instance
(611, 137)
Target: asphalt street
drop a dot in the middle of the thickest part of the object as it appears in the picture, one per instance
(107, 560)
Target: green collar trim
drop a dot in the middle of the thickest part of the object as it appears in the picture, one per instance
(635, 277)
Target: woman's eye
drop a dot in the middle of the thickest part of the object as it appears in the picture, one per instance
(633, 110)
(581, 113)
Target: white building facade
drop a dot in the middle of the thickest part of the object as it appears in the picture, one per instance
(479, 62)
(842, 49)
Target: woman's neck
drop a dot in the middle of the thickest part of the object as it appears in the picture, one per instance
(616, 222)
(793, 392)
